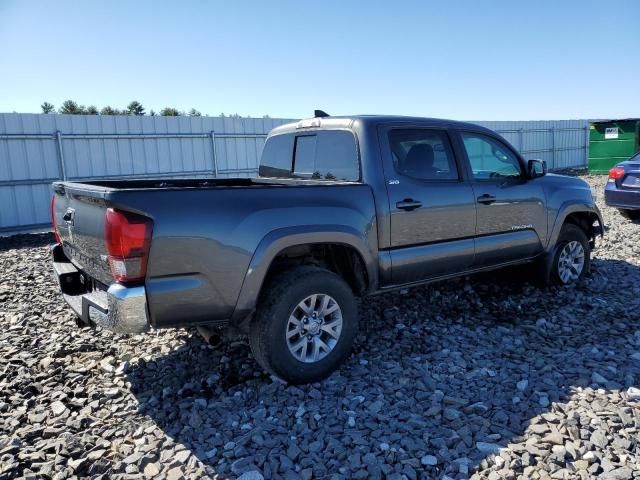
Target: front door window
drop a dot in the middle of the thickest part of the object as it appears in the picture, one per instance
(490, 159)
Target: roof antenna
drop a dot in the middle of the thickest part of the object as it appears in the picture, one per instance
(320, 114)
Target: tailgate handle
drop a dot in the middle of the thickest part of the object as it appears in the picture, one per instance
(68, 216)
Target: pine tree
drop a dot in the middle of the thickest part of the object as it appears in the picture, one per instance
(135, 108)
(47, 108)
(170, 112)
(71, 108)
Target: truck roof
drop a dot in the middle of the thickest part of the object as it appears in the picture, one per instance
(348, 121)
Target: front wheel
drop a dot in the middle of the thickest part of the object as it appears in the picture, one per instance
(304, 325)
(630, 214)
(572, 256)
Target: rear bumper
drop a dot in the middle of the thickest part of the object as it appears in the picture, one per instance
(119, 308)
(615, 197)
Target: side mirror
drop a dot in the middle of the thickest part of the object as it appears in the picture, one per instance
(536, 168)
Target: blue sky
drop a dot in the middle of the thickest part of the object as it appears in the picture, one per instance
(469, 60)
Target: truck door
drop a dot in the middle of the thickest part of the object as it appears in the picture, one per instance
(511, 213)
(432, 205)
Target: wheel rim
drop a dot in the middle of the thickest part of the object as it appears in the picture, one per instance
(314, 328)
(571, 262)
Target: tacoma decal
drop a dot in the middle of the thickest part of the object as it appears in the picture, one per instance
(521, 227)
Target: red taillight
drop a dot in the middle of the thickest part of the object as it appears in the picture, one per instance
(53, 219)
(127, 237)
(616, 173)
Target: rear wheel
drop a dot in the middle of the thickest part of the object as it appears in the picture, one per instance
(572, 256)
(630, 214)
(304, 325)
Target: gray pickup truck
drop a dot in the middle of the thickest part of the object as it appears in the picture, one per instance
(343, 207)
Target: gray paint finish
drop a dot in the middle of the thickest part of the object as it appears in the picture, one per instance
(204, 239)
(214, 241)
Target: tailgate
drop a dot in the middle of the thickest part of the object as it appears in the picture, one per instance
(78, 212)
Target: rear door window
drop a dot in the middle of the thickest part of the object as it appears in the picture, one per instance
(424, 154)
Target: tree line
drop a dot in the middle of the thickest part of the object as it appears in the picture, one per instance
(70, 107)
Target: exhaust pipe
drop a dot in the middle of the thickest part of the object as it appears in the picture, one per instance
(211, 336)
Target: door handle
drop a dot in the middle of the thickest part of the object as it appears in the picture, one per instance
(408, 204)
(486, 199)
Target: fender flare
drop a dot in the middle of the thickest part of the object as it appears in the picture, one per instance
(277, 240)
(566, 209)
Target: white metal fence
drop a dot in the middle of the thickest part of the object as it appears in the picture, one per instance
(562, 143)
(38, 149)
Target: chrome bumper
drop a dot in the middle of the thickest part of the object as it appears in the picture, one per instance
(126, 310)
(119, 308)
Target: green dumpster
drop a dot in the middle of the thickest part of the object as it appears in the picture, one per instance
(611, 142)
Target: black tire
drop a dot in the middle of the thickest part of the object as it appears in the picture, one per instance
(268, 330)
(630, 214)
(570, 233)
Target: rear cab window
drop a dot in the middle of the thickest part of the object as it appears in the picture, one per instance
(319, 155)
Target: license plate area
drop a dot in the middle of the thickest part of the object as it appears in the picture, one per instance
(631, 181)
(72, 280)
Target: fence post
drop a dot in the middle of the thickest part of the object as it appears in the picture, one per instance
(586, 147)
(214, 153)
(61, 164)
(520, 141)
(553, 147)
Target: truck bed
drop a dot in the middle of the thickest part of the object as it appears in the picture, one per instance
(205, 232)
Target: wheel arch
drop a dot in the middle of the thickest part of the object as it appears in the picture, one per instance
(335, 238)
(582, 215)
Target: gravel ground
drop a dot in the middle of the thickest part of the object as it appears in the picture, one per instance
(481, 377)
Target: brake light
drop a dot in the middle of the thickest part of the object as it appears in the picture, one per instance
(53, 218)
(127, 237)
(616, 173)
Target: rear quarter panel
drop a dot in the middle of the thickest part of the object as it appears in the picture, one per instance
(204, 240)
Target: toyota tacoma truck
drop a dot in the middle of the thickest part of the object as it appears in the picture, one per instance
(343, 207)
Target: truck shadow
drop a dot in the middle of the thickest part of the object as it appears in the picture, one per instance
(441, 378)
(26, 240)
